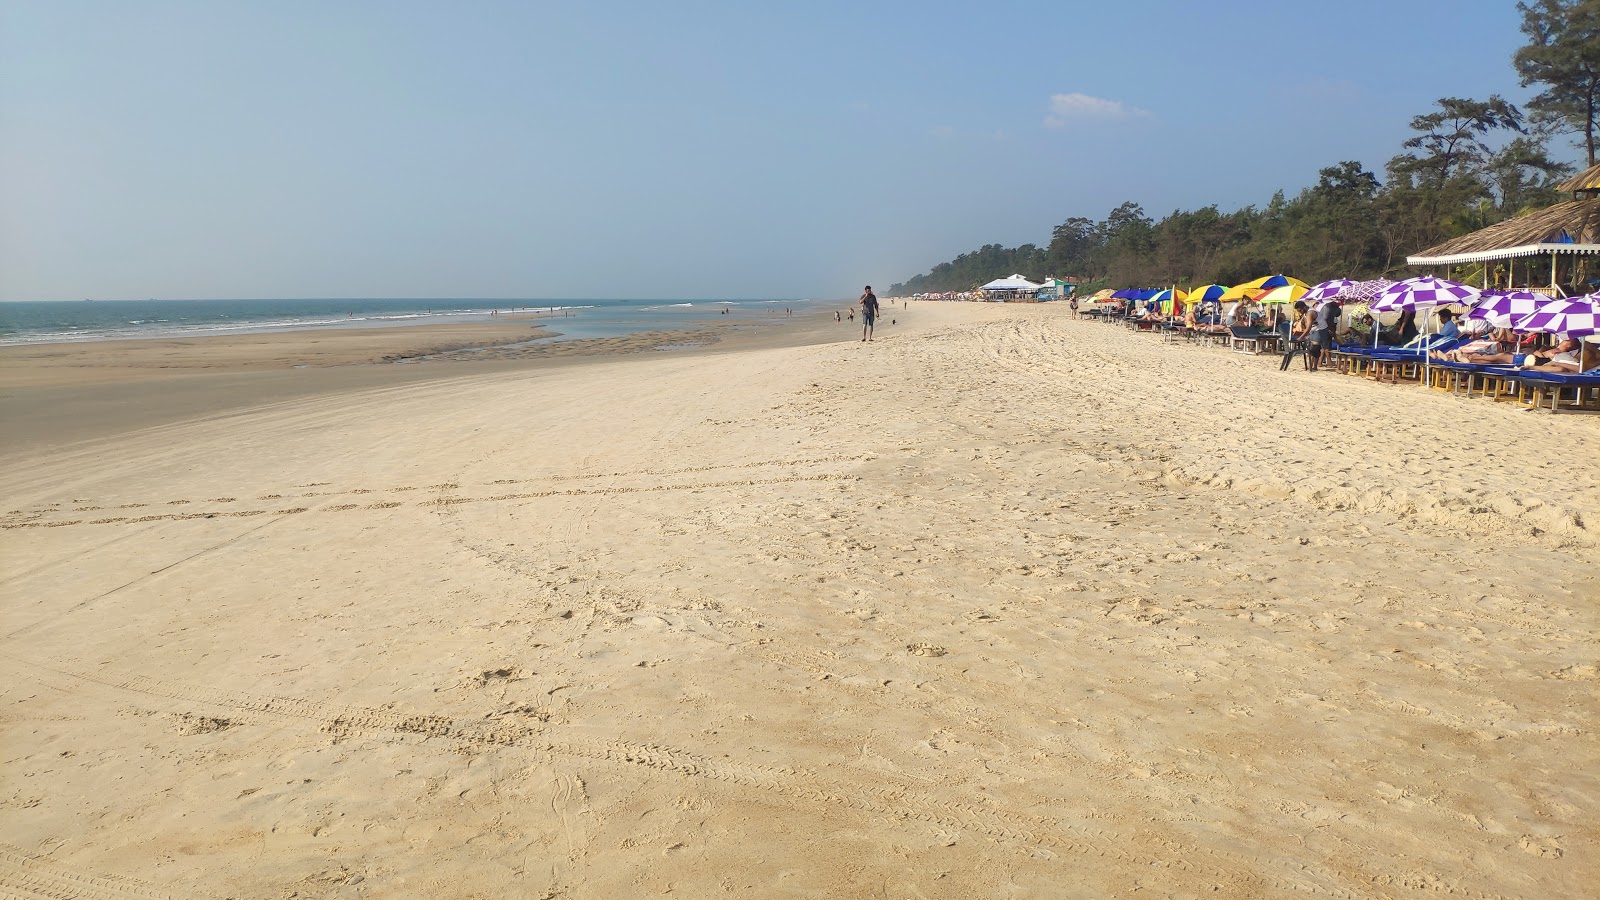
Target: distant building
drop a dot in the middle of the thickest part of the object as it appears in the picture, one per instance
(1057, 288)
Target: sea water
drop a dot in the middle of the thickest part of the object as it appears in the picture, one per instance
(34, 322)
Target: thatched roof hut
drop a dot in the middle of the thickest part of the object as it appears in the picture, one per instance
(1584, 183)
(1569, 229)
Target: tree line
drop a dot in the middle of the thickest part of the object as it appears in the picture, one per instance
(1468, 164)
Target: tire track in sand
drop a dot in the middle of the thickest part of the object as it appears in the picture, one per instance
(20, 516)
(24, 875)
(441, 501)
(1188, 864)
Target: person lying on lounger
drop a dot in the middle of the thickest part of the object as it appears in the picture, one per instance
(1564, 358)
(1206, 324)
(1503, 341)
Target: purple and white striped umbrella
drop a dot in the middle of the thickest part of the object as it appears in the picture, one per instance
(1328, 290)
(1501, 308)
(1575, 318)
(1424, 293)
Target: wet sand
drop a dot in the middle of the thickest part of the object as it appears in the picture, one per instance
(57, 393)
(1000, 605)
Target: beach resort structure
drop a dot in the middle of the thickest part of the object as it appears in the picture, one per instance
(1537, 248)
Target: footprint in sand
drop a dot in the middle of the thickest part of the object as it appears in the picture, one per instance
(1544, 848)
(492, 676)
(190, 723)
(925, 650)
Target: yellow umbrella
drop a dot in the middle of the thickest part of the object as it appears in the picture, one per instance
(1267, 282)
(1289, 293)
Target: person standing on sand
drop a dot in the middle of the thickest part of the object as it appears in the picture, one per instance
(869, 312)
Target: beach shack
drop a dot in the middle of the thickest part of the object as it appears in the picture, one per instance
(1552, 248)
(1012, 289)
(1056, 288)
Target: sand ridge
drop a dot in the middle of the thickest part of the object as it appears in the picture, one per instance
(1002, 604)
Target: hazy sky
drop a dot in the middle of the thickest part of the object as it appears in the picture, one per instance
(594, 149)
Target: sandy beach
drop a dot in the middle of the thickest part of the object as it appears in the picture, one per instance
(1003, 604)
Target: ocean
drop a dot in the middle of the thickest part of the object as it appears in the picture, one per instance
(37, 322)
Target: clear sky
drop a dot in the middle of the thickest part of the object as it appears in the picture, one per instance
(296, 148)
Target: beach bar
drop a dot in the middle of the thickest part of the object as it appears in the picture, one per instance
(1551, 242)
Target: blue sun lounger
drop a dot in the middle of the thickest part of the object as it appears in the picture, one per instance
(1534, 388)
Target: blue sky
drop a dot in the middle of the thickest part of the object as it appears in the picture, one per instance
(549, 149)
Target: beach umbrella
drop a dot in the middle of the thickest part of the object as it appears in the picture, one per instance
(1501, 308)
(1206, 293)
(1125, 294)
(1267, 282)
(1578, 317)
(1170, 299)
(1288, 293)
(1368, 291)
(1424, 293)
(1329, 290)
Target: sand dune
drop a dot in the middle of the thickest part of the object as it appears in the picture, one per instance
(1002, 604)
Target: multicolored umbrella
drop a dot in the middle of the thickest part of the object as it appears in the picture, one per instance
(1170, 300)
(1207, 292)
(1424, 293)
(1241, 291)
(1501, 308)
(1288, 293)
(1329, 290)
(1577, 317)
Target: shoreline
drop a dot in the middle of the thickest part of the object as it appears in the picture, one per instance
(75, 391)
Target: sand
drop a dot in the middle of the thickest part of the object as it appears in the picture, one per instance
(1000, 605)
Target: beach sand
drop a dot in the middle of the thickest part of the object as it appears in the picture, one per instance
(1000, 605)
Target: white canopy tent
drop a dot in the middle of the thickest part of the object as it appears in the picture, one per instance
(1013, 283)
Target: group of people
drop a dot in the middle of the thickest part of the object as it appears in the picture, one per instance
(1317, 329)
(1507, 348)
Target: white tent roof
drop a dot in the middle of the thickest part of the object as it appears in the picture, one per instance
(1014, 283)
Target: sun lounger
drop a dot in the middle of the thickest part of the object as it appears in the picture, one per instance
(1534, 388)
(1249, 339)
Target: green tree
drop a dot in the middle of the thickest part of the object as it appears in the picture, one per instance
(1523, 176)
(1130, 238)
(1073, 247)
(1563, 55)
(1452, 138)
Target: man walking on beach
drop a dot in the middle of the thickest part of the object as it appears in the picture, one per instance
(869, 312)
